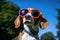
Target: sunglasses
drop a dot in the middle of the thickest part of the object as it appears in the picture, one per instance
(34, 13)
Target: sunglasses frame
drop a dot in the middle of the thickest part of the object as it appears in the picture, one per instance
(32, 15)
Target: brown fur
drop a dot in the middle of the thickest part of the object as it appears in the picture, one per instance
(20, 35)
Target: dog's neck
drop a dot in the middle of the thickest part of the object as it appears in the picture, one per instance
(28, 29)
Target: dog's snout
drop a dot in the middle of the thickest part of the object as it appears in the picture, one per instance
(28, 17)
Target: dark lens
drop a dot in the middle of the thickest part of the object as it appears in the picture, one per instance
(23, 11)
(35, 13)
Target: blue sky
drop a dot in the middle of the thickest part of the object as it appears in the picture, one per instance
(48, 9)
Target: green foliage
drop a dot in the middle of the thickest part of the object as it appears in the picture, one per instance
(58, 17)
(58, 25)
(8, 13)
(58, 11)
(47, 36)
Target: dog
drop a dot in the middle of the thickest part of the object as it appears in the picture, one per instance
(31, 19)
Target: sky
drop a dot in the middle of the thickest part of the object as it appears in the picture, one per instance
(48, 9)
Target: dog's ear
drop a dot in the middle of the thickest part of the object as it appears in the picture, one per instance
(17, 22)
(42, 22)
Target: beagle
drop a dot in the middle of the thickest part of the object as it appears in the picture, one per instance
(31, 18)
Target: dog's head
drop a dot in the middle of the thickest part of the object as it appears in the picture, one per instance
(30, 16)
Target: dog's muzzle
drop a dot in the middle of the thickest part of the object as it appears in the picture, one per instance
(28, 19)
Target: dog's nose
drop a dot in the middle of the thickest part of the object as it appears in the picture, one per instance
(28, 17)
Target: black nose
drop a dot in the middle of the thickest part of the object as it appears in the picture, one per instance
(28, 17)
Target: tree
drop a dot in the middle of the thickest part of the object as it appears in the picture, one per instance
(8, 13)
(58, 25)
(47, 36)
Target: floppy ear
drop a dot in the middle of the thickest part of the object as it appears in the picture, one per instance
(17, 22)
(43, 22)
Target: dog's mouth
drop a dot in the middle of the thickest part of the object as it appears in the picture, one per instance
(28, 22)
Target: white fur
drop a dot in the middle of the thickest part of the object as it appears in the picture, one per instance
(26, 28)
(26, 36)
